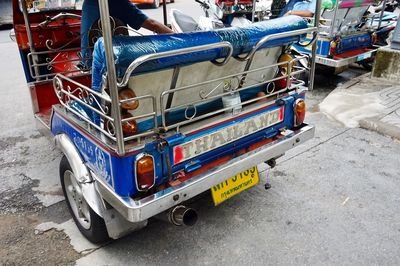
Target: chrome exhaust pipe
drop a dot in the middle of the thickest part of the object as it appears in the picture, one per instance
(180, 215)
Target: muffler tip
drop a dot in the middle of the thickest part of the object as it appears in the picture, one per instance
(181, 215)
(190, 217)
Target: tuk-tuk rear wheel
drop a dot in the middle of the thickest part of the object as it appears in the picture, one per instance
(90, 224)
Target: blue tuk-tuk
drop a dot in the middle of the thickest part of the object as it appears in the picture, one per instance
(160, 119)
(350, 33)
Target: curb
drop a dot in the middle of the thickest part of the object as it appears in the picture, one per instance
(352, 82)
(364, 77)
(380, 127)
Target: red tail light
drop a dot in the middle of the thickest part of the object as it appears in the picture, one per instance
(299, 112)
(145, 174)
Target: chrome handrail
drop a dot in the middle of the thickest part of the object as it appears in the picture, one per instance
(275, 36)
(98, 103)
(145, 58)
(50, 61)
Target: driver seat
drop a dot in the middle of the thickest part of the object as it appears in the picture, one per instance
(118, 28)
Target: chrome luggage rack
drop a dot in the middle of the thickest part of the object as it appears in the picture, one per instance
(70, 91)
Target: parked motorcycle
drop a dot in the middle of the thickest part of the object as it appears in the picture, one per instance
(220, 14)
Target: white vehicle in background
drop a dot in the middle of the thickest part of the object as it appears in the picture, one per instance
(5, 12)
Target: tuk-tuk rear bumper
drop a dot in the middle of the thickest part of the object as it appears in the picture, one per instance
(141, 210)
(336, 63)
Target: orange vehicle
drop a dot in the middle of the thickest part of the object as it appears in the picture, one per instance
(153, 3)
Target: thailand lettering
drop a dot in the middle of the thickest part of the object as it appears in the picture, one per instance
(229, 134)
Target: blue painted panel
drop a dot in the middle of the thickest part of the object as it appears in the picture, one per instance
(239, 144)
(323, 47)
(117, 171)
(350, 43)
(95, 157)
(25, 65)
(346, 44)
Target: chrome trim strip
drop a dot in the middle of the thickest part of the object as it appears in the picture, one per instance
(140, 210)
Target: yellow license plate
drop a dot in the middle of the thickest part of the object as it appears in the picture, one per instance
(234, 185)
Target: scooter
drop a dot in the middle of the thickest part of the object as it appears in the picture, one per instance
(217, 14)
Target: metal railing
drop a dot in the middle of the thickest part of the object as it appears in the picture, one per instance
(93, 108)
(335, 25)
(207, 96)
(71, 92)
(66, 60)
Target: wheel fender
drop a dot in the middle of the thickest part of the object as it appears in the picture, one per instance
(81, 172)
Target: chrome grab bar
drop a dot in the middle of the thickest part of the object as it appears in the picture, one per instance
(275, 37)
(249, 57)
(145, 58)
(62, 15)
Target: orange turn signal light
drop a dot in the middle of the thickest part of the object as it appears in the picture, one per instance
(126, 94)
(284, 67)
(145, 173)
(129, 128)
(299, 112)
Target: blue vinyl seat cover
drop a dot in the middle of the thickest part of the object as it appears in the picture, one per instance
(128, 48)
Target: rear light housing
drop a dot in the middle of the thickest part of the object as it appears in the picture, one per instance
(332, 48)
(129, 127)
(299, 109)
(288, 59)
(144, 172)
(126, 95)
(284, 69)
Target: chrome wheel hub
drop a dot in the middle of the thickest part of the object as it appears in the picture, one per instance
(76, 200)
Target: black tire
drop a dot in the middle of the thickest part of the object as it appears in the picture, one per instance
(97, 232)
(367, 65)
(156, 4)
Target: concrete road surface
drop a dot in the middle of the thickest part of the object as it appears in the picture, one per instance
(334, 200)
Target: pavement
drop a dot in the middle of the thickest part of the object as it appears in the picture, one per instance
(367, 102)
